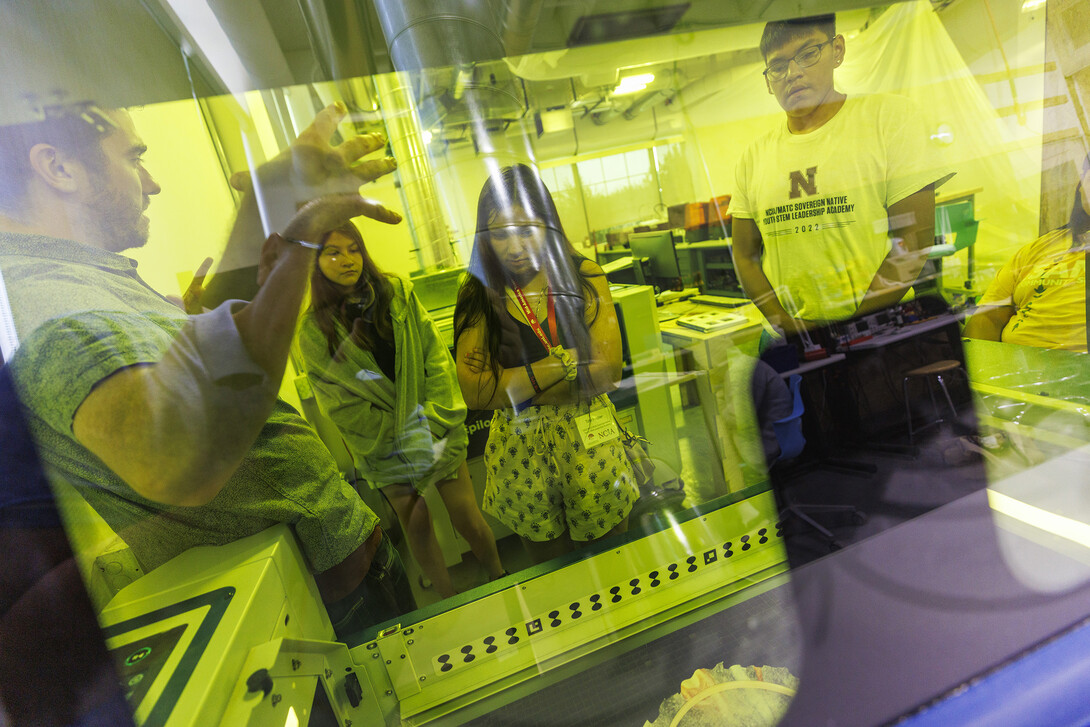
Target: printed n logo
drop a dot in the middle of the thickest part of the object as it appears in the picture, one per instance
(800, 185)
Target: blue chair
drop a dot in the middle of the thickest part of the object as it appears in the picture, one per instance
(792, 442)
(789, 429)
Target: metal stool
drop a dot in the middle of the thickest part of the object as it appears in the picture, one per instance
(931, 371)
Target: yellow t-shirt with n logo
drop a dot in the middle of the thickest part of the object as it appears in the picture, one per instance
(820, 200)
(1045, 282)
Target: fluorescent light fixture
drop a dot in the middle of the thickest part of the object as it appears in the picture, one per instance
(427, 137)
(1030, 5)
(631, 84)
(293, 718)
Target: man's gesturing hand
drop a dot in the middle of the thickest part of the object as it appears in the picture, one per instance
(313, 167)
(316, 218)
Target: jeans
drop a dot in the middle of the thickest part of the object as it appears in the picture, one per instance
(384, 594)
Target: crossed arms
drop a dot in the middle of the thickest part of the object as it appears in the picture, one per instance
(512, 386)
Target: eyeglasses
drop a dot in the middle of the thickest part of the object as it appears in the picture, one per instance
(808, 56)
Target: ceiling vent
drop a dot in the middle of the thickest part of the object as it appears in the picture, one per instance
(608, 27)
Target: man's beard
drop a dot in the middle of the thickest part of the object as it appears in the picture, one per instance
(120, 227)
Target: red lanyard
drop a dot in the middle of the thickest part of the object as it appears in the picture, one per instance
(527, 311)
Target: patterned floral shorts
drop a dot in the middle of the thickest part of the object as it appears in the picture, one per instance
(541, 481)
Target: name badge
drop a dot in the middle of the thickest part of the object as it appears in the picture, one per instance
(597, 427)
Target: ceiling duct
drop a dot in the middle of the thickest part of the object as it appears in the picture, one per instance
(463, 36)
(663, 95)
(485, 94)
(456, 51)
(421, 36)
(567, 25)
(623, 24)
(342, 37)
(600, 64)
(601, 118)
(519, 21)
(653, 98)
(414, 170)
(426, 34)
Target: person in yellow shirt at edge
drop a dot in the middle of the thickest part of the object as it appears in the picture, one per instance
(1039, 297)
(834, 209)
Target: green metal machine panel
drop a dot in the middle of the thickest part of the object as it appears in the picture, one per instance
(456, 658)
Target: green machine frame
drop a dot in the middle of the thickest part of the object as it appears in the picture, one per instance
(249, 643)
(955, 216)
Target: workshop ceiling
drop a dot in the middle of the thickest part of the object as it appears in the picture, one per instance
(128, 52)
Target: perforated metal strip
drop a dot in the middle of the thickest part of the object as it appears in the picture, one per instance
(566, 614)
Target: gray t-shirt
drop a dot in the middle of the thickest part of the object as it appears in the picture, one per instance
(83, 314)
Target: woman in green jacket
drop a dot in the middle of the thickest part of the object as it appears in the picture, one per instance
(382, 373)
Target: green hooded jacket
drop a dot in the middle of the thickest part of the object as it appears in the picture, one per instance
(409, 430)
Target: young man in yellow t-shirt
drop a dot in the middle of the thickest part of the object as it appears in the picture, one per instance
(1039, 297)
(833, 207)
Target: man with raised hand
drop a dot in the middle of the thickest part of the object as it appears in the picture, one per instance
(833, 209)
(169, 424)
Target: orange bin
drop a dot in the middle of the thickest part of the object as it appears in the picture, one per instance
(717, 210)
(696, 215)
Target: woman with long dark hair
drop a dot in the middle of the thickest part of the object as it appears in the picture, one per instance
(1039, 297)
(382, 373)
(537, 340)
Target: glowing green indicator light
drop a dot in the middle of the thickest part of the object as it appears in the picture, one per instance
(137, 655)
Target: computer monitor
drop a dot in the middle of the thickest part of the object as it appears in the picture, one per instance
(659, 247)
(437, 289)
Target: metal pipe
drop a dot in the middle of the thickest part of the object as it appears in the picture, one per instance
(651, 99)
(519, 22)
(404, 133)
(604, 117)
(423, 34)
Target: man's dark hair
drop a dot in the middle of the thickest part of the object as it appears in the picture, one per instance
(76, 129)
(781, 32)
